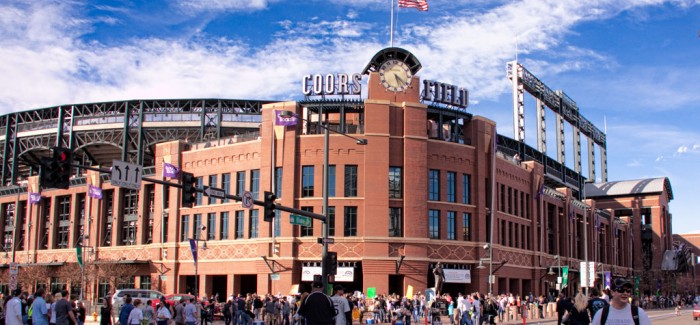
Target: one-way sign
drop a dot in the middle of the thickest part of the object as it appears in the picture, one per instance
(214, 192)
(126, 175)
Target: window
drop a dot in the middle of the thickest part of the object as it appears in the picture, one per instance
(145, 282)
(223, 233)
(307, 231)
(131, 202)
(255, 183)
(240, 224)
(451, 225)
(395, 222)
(63, 229)
(8, 211)
(350, 222)
(211, 226)
(278, 182)
(331, 181)
(350, 180)
(108, 198)
(199, 195)
(129, 232)
(307, 181)
(434, 224)
(434, 185)
(451, 187)
(331, 221)
(197, 226)
(395, 183)
(151, 192)
(253, 224)
(466, 226)
(46, 210)
(240, 183)
(213, 179)
(226, 185)
(466, 184)
(278, 224)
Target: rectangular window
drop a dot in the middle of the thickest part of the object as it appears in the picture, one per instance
(434, 185)
(502, 205)
(331, 181)
(63, 229)
(307, 181)
(213, 180)
(253, 224)
(451, 187)
(199, 195)
(395, 222)
(8, 211)
(145, 282)
(395, 183)
(151, 192)
(240, 224)
(466, 226)
(350, 180)
(240, 183)
(434, 224)
(466, 192)
(224, 226)
(197, 229)
(307, 231)
(130, 202)
(451, 225)
(108, 198)
(278, 182)
(211, 226)
(185, 228)
(278, 223)
(255, 183)
(226, 185)
(350, 222)
(331, 221)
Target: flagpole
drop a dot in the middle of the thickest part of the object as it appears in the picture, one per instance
(391, 29)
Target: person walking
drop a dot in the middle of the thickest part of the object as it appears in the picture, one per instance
(190, 311)
(136, 314)
(318, 308)
(13, 309)
(342, 307)
(620, 311)
(180, 312)
(578, 314)
(64, 310)
(149, 313)
(39, 311)
(164, 314)
(106, 312)
(52, 319)
(125, 311)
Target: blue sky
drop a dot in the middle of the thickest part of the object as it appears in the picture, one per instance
(631, 65)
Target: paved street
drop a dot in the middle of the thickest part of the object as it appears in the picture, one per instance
(658, 316)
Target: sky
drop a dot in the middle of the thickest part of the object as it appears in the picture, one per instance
(632, 66)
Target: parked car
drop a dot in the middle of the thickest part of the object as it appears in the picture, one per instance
(143, 294)
(177, 297)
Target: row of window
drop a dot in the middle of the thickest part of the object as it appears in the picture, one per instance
(451, 194)
(453, 224)
(514, 202)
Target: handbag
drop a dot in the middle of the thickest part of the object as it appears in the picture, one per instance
(566, 319)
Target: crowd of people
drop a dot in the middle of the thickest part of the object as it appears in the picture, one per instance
(616, 305)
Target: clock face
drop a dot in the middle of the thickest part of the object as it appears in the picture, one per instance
(395, 75)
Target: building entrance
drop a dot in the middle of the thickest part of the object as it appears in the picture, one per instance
(247, 283)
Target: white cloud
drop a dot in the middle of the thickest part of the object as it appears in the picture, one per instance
(223, 5)
(682, 150)
(659, 158)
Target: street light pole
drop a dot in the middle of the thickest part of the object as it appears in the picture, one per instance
(324, 224)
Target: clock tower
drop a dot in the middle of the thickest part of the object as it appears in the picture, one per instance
(392, 76)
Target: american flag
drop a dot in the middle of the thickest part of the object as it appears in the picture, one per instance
(418, 4)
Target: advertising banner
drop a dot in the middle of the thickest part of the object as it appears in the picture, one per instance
(457, 276)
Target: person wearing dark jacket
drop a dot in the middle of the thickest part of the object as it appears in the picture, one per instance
(317, 308)
(563, 304)
(578, 314)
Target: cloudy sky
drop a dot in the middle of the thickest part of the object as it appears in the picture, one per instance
(632, 66)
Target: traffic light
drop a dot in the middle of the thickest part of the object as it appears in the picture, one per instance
(55, 171)
(189, 192)
(332, 263)
(269, 211)
(276, 249)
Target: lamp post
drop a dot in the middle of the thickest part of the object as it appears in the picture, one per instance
(324, 224)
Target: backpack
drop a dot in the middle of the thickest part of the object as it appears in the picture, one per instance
(606, 310)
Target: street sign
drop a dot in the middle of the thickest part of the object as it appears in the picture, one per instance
(247, 200)
(14, 269)
(13, 282)
(274, 276)
(322, 240)
(299, 220)
(214, 192)
(126, 175)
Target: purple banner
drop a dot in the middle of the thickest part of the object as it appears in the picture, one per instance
(608, 280)
(284, 120)
(170, 170)
(193, 248)
(95, 192)
(34, 198)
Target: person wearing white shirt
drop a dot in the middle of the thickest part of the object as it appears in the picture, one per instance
(342, 307)
(13, 310)
(620, 311)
